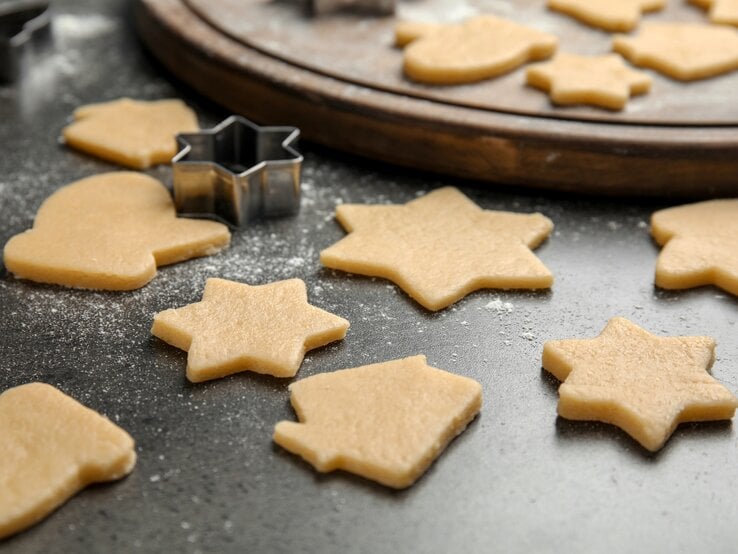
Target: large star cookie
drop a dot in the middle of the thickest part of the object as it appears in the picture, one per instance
(386, 422)
(721, 11)
(610, 15)
(684, 51)
(109, 232)
(644, 384)
(132, 133)
(480, 48)
(441, 247)
(603, 81)
(238, 327)
(700, 245)
(51, 448)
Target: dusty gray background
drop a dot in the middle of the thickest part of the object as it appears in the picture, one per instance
(209, 478)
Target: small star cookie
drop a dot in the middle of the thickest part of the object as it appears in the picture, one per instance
(644, 384)
(684, 51)
(618, 15)
(52, 447)
(480, 48)
(721, 11)
(386, 422)
(603, 81)
(132, 133)
(440, 247)
(700, 245)
(237, 327)
(109, 232)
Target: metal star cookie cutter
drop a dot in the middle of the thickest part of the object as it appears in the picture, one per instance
(379, 7)
(238, 171)
(25, 29)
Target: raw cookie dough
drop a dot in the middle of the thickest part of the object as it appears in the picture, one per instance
(685, 51)
(700, 245)
(52, 447)
(109, 232)
(721, 11)
(484, 46)
(408, 31)
(132, 133)
(440, 247)
(644, 384)
(603, 81)
(238, 327)
(386, 422)
(610, 15)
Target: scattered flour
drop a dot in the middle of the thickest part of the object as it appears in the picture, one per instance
(68, 27)
(499, 306)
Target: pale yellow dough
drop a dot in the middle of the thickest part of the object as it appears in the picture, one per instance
(408, 31)
(132, 133)
(610, 15)
(684, 51)
(721, 11)
(386, 422)
(644, 384)
(603, 81)
(700, 245)
(238, 327)
(480, 48)
(109, 232)
(51, 448)
(440, 247)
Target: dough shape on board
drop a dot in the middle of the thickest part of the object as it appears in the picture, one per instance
(408, 31)
(52, 447)
(603, 81)
(721, 11)
(132, 133)
(480, 48)
(643, 383)
(238, 327)
(610, 15)
(386, 422)
(441, 247)
(684, 51)
(109, 232)
(700, 245)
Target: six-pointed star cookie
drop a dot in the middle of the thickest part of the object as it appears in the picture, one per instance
(644, 384)
(721, 11)
(603, 81)
(441, 247)
(610, 15)
(700, 245)
(684, 51)
(238, 327)
(386, 421)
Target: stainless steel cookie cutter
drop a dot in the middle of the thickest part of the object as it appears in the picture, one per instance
(238, 171)
(381, 7)
(25, 29)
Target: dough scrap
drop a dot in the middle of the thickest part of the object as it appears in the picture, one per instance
(684, 51)
(237, 327)
(644, 384)
(603, 81)
(52, 447)
(721, 11)
(610, 15)
(700, 245)
(132, 133)
(386, 422)
(480, 48)
(441, 247)
(109, 232)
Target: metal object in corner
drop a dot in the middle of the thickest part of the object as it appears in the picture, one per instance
(25, 30)
(378, 7)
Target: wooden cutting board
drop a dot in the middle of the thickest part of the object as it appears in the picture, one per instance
(339, 79)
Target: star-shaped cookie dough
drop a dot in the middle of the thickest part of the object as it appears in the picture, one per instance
(721, 11)
(684, 51)
(132, 133)
(109, 232)
(603, 81)
(700, 245)
(644, 384)
(441, 247)
(237, 327)
(386, 422)
(480, 48)
(610, 15)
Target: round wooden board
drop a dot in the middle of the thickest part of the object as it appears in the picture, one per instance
(338, 79)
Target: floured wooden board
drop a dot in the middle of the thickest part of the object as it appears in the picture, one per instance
(339, 78)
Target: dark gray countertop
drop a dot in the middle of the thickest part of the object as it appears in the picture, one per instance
(209, 479)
